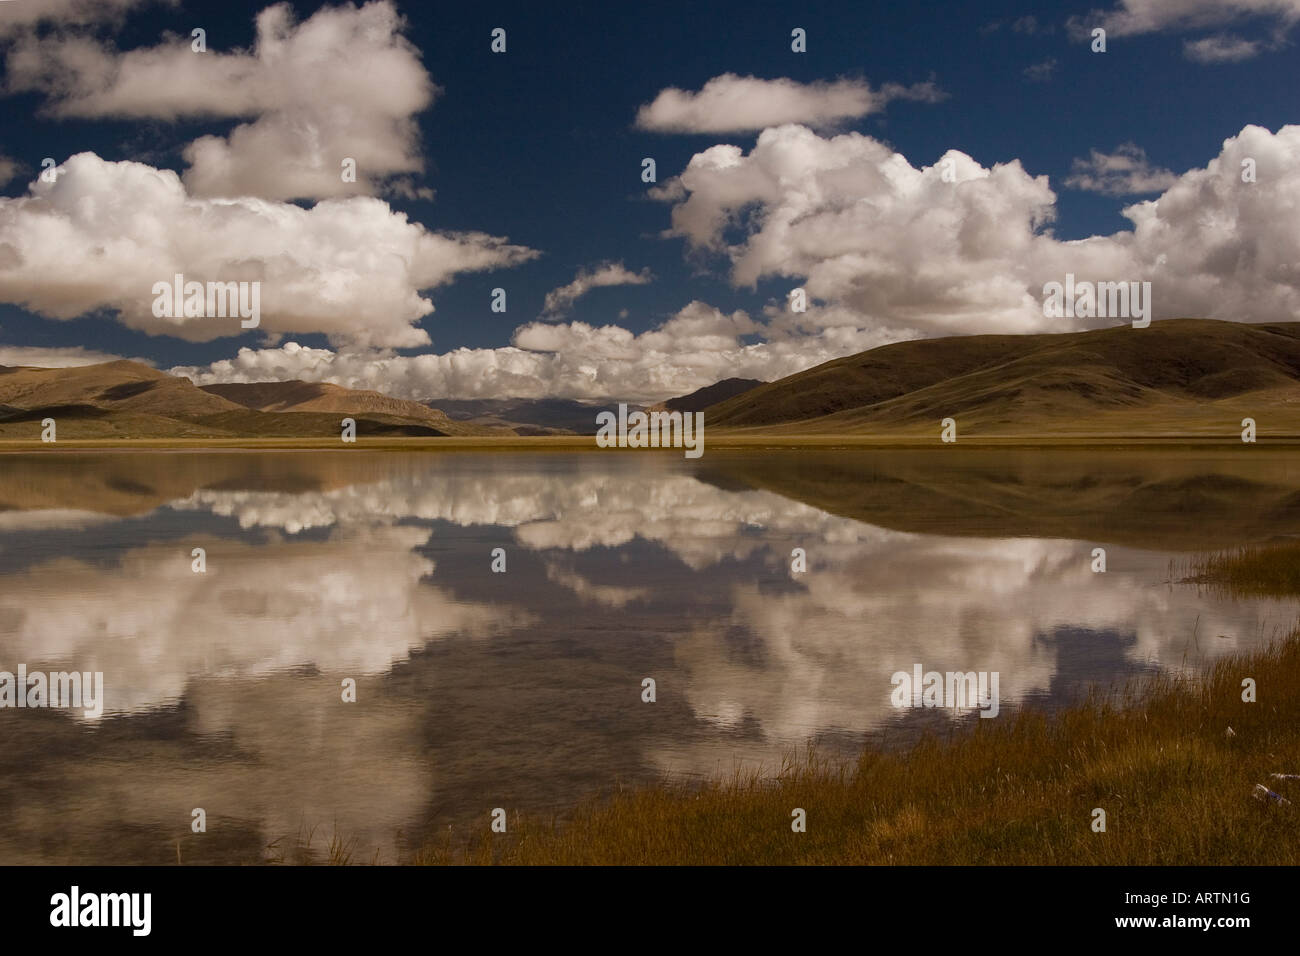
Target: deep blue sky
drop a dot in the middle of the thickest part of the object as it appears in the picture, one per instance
(538, 145)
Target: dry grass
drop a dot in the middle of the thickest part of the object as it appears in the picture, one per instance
(1263, 570)
(304, 850)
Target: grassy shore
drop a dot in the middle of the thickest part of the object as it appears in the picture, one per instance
(1176, 788)
(1157, 757)
(1261, 570)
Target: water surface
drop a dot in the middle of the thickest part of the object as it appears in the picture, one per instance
(523, 689)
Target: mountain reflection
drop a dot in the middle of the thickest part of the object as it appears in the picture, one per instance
(478, 689)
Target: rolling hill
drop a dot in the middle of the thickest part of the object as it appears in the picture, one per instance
(1176, 378)
(296, 396)
(702, 398)
(124, 400)
(527, 416)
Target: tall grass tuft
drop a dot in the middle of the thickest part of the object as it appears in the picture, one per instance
(1261, 570)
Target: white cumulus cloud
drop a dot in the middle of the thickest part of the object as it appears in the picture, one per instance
(959, 248)
(1125, 172)
(343, 84)
(103, 233)
(606, 274)
(20, 14)
(1137, 17)
(731, 103)
(696, 347)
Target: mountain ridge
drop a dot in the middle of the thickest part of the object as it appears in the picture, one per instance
(1177, 370)
(124, 399)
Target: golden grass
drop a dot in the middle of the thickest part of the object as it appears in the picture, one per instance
(1176, 788)
(1260, 570)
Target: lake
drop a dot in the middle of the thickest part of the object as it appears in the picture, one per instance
(523, 689)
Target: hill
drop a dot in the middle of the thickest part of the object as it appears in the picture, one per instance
(297, 397)
(1178, 377)
(527, 416)
(124, 400)
(702, 398)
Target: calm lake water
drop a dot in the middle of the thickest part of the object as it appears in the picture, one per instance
(523, 689)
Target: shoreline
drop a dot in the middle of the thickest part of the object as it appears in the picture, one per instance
(1175, 786)
(715, 441)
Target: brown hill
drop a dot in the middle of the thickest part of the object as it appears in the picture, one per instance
(529, 416)
(702, 398)
(299, 397)
(113, 386)
(122, 400)
(1176, 376)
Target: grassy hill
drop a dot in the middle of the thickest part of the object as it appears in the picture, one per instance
(304, 397)
(528, 416)
(127, 400)
(702, 398)
(1178, 377)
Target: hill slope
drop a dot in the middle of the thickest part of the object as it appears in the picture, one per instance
(300, 397)
(112, 386)
(527, 416)
(1177, 375)
(702, 398)
(123, 400)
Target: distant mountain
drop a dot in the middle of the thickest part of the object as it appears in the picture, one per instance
(296, 396)
(702, 398)
(128, 400)
(1177, 378)
(529, 416)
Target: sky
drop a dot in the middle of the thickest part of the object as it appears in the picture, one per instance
(917, 170)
